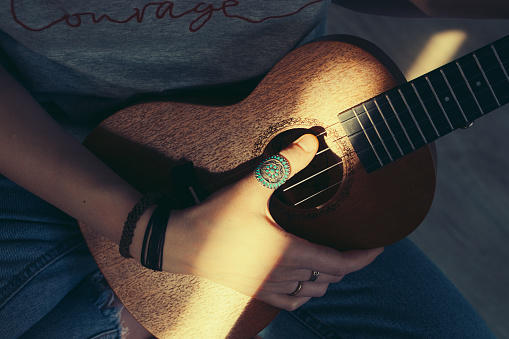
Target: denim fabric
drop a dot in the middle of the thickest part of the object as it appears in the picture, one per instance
(49, 287)
(402, 294)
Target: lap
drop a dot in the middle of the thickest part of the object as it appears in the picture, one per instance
(47, 274)
(402, 294)
(45, 267)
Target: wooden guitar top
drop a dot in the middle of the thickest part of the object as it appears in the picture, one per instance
(304, 92)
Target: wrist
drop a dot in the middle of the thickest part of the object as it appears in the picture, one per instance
(139, 233)
(137, 214)
(154, 238)
(143, 233)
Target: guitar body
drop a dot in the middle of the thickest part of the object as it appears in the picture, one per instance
(151, 144)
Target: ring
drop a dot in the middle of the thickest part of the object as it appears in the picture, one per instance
(273, 171)
(314, 276)
(297, 290)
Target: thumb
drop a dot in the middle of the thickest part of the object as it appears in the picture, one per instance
(299, 154)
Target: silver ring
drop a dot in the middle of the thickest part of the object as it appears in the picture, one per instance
(314, 276)
(297, 290)
(273, 171)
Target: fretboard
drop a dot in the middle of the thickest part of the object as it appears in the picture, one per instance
(407, 117)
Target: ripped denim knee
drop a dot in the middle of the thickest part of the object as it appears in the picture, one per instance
(90, 310)
(110, 307)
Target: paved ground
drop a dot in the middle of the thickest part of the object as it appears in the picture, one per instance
(467, 230)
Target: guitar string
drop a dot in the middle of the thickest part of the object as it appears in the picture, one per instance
(496, 66)
(349, 135)
(442, 93)
(492, 84)
(383, 121)
(250, 168)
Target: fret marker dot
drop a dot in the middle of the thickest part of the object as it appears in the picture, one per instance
(447, 99)
(478, 83)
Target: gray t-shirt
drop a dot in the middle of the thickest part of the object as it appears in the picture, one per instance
(88, 55)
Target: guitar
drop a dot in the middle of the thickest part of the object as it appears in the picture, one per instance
(371, 183)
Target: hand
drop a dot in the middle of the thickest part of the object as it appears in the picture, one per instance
(232, 239)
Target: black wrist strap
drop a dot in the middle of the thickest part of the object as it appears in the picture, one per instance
(153, 241)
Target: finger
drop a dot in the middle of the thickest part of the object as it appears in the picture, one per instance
(303, 254)
(310, 289)
(284, 301)
(299, 154)
(300, 275)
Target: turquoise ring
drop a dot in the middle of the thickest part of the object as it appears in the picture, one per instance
(273, 171)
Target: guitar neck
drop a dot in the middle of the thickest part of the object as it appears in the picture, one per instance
(405, 118)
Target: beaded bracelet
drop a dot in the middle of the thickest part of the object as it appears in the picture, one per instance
(132, 218)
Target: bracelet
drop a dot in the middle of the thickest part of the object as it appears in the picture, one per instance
(132, 218)
(153, 241)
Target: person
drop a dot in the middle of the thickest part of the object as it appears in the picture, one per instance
(71, 64)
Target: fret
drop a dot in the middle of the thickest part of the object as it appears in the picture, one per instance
(389, 128)
(477, 84)
(404, 119)
(469, 87)
(346, 115)
(502, 48)
(439, 103)
(375, 146)
(499, 61)
(425, 111)
(432, 107)
(372, 135)
(394, 124)
(383, 131)
(486, 78)
(498, 80)
(359, 129)
(447, 98)
(369, 139)
(359, 140)
(362, 117)
(377, 133)
(461, 91)
(448, 111)
(412, 114)
(350, 125)
(362, 134)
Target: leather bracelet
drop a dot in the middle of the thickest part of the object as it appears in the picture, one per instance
(153, 241)
(132, 218)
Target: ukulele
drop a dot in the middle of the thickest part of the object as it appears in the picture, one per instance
(371, 183)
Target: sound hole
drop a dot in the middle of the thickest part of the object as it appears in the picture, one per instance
(316, 184)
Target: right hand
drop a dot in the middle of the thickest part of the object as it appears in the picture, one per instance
(231, 238)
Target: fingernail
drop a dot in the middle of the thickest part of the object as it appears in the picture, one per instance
(307, 142)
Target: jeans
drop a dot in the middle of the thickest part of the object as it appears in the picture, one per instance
(51, 288)
(401, 294)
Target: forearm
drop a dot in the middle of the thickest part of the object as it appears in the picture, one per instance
(474, 9)
(39, 155)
